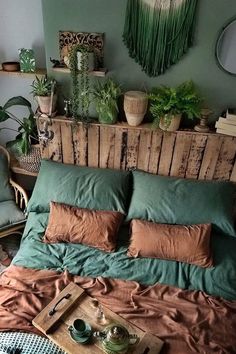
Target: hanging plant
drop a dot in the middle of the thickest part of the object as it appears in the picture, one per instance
(80, 82)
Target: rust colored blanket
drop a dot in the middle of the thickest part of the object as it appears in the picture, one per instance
(188, 321)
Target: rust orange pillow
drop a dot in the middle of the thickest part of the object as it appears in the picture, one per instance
(93, 228)
(189, 244)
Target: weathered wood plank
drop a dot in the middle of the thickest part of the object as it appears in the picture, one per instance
(121, 136)
(210, 157)
(226, 159)
(233, 174)
(80, 142)
(195, 156)
(132, 149)
(93, 146)
(107, 147)
(180, 155)
(144, 150)
(54, 145)
(167, 149)
(43, 146)
(155, 151)
(67, 143)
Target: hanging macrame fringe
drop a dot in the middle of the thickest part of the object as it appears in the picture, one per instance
(158, 33)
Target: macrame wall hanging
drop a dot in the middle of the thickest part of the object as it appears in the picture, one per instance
(158, 32)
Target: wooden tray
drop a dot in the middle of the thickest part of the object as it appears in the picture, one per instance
(78, 305)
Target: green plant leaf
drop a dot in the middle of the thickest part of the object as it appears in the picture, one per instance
(3, 115)
(17, 101)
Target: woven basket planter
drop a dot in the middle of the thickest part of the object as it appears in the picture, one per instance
(31, 161)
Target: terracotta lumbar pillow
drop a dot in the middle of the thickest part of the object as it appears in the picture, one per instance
(93, 228)
(189, 244)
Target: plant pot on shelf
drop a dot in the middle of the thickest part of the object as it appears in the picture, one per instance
(31, 161)
(107, 118)
(44, 103)
(90, 60)
(135, 106)
(170, 125)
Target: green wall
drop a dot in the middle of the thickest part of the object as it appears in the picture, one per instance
(199, 64)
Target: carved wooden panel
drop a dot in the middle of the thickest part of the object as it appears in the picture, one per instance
(68, 39)
(186, 154)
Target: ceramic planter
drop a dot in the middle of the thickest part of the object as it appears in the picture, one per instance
(135, 107)
(174, 124)
(90, 60)
(44, 103)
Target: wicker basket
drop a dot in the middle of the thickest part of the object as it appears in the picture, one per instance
(31, 161)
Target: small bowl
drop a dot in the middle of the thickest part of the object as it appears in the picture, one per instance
(11, 66)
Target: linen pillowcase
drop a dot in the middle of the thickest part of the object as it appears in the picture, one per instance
(189, 244)
(170, 200)
(83, 187)
(94, 228)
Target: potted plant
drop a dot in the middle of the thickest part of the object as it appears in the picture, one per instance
(43, 89)
(79, 67)
(168, 104)
(105, 97)
(25, 145)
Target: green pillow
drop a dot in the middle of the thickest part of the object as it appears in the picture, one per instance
(183, 201)
(85, 187)
(5, 189)
(10, 214)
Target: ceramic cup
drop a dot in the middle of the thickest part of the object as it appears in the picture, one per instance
(79, 328)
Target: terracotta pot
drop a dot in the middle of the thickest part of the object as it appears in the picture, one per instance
(174, 124)
(135, 107)
(44, 104)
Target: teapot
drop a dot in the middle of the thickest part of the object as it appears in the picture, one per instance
(116, 339)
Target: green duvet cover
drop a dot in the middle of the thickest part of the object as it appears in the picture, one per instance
(86, 261)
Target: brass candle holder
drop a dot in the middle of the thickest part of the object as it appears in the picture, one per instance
(203, 127)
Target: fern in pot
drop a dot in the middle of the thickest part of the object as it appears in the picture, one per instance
(168, 104)
(105, 96)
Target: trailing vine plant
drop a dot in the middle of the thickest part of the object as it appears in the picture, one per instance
(80, 83)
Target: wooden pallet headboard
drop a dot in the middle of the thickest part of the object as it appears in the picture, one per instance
(185, 154)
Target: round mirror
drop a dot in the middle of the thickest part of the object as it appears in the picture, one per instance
(226, 48)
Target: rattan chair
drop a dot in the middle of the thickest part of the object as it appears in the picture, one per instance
(21, 200)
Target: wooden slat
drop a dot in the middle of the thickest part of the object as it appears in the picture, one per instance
(210, 157)
(43, 147)
(93, 146)
(55, 145)
(195, 156)
(226, 159)
(167, 149)
(155, 151)
(80, 143)
(132, 149)
(67, 144)
(233, 174)
(144, 150)
(181, 154)
(107, 147)
(121, 136)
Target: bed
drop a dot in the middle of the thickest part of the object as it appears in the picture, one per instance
(192, 308)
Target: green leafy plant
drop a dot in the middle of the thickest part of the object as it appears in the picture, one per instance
(167, 102)
(27, 131)
(105, 97)
(42, 86)
(80, 82)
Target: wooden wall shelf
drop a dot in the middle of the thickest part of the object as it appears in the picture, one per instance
(38, 72)
(99, 73)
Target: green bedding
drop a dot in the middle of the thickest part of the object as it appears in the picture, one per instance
(86, 261)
